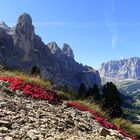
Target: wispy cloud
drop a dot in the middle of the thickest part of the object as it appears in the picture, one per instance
(112, 24)
(66, 24)
(108, 23)
(87, 24)
(71, 24)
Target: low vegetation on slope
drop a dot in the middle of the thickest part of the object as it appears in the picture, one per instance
(22, 84)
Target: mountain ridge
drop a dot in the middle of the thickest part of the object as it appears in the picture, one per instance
(22, 49)
(125, 69)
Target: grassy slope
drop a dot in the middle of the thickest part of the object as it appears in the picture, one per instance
(131, 87)
(27, 78)
(136, 125)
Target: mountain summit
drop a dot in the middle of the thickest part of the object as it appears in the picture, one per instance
(22, 49)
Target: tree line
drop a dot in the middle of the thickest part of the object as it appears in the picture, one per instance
(108, 96)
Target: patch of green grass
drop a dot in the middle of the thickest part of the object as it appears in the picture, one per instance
(137, 102)
(124, 124)
(136, 128)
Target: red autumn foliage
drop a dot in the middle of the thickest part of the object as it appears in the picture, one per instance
(99, 119)
(31, 89)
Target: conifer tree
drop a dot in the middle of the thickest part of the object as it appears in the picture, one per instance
(82, 91)
(112, 99)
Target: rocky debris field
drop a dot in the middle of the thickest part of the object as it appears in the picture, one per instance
(30, 119)
(25, 118)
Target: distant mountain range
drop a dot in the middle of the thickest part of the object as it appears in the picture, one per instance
(126, 69)
(125, 74)
(22, 49)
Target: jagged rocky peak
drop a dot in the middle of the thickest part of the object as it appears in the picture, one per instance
(24, 26)
(25, 19)
(67, 51)
(23, 33)
(4, 26)
(54, 47)
(4, 29)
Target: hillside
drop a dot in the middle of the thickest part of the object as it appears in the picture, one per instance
(23, 50)
(130, 88)
(28, 111)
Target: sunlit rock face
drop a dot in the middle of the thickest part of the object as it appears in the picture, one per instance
(22, 49)
(122, 69)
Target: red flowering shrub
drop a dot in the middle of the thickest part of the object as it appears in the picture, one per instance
(99, 119)
(30, 89)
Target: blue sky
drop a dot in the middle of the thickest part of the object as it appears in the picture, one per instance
(97, 30)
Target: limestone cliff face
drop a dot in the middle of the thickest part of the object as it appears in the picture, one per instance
(24, 36)
(22, 49)
(90, 77)
(122, 69)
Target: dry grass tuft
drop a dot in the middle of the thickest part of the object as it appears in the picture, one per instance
(36, 80)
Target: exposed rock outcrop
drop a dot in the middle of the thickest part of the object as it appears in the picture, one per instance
(55, 50)
(4, 26)
(67, 51)
(122, 69)
(22, 49)
(87, 78)
(24, 36)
